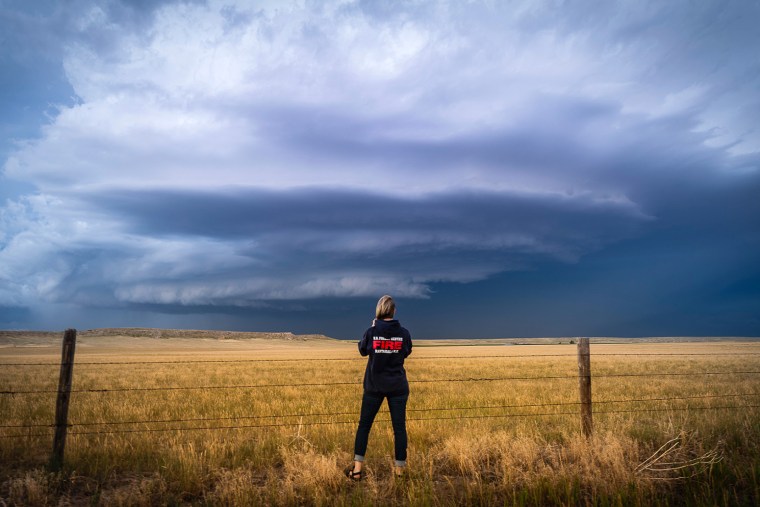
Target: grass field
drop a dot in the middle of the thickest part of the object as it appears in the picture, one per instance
(462, 452)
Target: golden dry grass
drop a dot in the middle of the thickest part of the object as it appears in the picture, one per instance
(530, 455)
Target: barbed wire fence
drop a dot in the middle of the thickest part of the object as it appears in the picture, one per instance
(62, 427)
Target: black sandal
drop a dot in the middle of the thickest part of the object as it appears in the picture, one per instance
(354, 476)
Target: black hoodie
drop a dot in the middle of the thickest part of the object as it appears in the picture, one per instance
(387, 344)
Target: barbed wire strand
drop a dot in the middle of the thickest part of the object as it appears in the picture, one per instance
(416, 358)
(318, 423)
(419, 381)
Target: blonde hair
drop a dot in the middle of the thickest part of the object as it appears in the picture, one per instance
(386, 308)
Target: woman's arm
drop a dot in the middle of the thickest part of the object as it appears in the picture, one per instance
(407, 344)
(365, 342)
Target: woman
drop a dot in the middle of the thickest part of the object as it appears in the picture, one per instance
(387, 344)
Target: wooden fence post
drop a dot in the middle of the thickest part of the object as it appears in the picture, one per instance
(584, 382)
(62, 403)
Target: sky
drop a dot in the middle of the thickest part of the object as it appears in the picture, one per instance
(503, 169)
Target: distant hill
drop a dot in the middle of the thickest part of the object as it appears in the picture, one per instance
(18, 337)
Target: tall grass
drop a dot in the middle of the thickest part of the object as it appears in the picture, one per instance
(515, 456)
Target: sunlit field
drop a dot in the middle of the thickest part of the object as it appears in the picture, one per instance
(511, 439)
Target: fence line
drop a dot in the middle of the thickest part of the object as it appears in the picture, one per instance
(416, 358)
(584, 376)
(322, 423)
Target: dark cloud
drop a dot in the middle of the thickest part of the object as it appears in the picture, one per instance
(451, 235)
(245, 212)
(15, 317)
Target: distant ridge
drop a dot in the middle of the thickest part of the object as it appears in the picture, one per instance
(143, 332)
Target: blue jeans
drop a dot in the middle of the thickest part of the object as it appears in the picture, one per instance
(370, 405)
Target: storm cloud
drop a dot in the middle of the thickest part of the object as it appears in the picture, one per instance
(209, 157)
